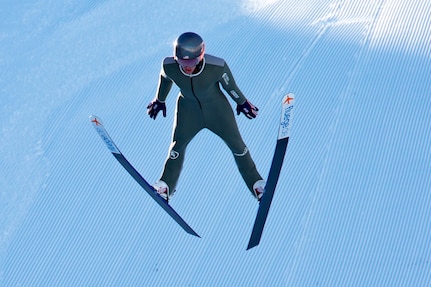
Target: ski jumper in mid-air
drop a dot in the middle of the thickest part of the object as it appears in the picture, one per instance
(201, 104)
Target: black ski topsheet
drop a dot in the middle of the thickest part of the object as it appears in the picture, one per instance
(274, 172)
(97, 124)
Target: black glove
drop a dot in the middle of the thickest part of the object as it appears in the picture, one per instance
(155, 107)
(247, 109)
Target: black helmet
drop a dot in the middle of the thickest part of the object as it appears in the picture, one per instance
(188, 45)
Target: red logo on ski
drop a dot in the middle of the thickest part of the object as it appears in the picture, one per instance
(288, 99)
(96, 122)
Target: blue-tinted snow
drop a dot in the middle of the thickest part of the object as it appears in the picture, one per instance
(353, 203)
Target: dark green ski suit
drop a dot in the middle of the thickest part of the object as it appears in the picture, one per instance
(202, 104)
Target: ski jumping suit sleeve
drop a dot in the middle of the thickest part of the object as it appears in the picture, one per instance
(201, 104)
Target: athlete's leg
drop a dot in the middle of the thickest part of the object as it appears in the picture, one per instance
(188, 122)
(222, 122)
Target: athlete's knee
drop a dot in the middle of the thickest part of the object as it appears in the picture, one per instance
(176, 150)
(173, 154)
(241, 153)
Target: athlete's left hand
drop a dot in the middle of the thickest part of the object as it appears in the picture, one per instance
(248, 109)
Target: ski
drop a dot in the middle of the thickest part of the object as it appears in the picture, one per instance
(274, 172)
(97, 124)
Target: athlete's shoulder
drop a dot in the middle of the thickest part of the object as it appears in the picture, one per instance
(213, 60)
(169, 61)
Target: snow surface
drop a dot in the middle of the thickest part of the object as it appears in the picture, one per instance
(353, 204)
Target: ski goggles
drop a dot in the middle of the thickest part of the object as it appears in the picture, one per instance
(188, 62)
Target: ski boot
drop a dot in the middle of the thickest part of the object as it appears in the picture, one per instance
(162, 189)
(259, 189)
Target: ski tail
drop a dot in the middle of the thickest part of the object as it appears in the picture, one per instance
(274, 172)
(265, 202)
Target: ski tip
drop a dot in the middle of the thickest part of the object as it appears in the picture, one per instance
(95, 120)
(286, 116)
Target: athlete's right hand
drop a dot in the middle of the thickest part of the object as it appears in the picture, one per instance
(155, 107)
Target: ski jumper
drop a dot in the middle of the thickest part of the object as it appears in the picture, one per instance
(201, 104)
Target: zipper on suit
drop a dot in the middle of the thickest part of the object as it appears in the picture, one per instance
(193, 92)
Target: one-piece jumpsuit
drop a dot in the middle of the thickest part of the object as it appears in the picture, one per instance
(201, 104)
